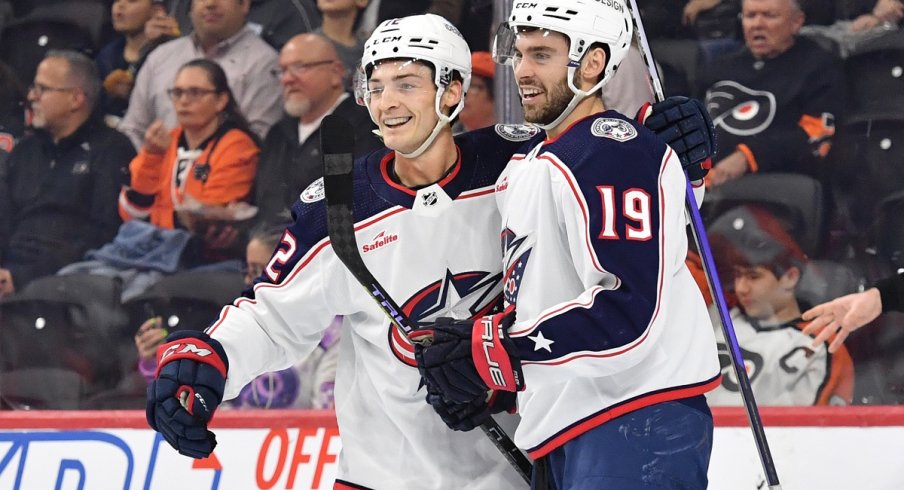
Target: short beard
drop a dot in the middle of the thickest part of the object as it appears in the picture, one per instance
(297, 108)
(559, 98)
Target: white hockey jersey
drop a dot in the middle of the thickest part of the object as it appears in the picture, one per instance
(608, 317)
(782, 366)
(437, 253)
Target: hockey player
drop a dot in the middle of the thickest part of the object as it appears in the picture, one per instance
(605, 335)
(427, 225)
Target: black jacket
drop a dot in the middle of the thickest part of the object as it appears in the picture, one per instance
(286, 168)
(59, 200)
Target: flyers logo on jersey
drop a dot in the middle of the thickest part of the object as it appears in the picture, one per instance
(313, 193)
(379, 241)
(740, 110)
(615, 129)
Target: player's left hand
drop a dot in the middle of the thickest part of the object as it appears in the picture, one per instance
(464, 370)
(685, 126)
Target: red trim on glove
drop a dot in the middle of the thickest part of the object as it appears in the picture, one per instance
(194, 349)
(490, 358)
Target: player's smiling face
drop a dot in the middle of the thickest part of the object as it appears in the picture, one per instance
(402, 97)
(541, 68)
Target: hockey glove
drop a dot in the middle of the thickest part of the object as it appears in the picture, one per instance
(467, 416)
(685, 126)
(468, 358)
(189, 384)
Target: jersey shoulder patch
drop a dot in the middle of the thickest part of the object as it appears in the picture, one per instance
(614, 129)
(516, 132)
(313, 192)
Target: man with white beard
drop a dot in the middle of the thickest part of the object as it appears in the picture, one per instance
(311, 76)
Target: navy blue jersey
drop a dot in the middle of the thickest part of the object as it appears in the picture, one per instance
(608, 317)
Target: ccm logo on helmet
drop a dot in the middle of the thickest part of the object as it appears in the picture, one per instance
(525, 5)
(390, 39)
(184, 349)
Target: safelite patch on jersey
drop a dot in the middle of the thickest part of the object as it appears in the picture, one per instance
(313, 193)
(516, 132)
(615, 129)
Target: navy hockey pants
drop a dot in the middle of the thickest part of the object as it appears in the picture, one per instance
(663, 446)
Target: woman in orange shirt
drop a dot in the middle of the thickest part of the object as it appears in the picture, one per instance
(208, 161)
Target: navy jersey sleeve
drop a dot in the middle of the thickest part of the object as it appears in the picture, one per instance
(619, 207)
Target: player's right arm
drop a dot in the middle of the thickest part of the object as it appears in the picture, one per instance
(274, 324)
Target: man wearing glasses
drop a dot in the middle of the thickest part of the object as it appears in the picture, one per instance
(62, 182)
(221, 34)
(312, 79)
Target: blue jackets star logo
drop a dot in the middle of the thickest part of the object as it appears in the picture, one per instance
(515, 259)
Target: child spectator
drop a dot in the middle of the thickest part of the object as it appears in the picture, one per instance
(784, 368)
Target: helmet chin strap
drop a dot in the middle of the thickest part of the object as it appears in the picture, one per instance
(579, 95)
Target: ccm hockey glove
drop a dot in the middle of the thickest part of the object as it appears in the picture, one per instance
(685, 126)
(468, 358)
(189, 384)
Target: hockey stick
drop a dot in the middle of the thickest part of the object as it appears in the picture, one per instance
(337, 139)
(715, 285)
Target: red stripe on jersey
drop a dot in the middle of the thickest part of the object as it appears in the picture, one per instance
(561, 167)
(477, 193)
(610, 413)
(384, 170)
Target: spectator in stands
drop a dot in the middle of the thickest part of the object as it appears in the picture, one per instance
(119, 61)
(784, 368)
(312, 87)
(836, 319)
(394, 9)
(340, 24)
(275, 21)
(774, 103)
(862, 15)
(60, 188)
(194, 176)
(221, 35)
(12, 108)
(480, 109)
(308, 384)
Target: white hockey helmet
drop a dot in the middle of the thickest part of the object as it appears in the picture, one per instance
(583, 22)
(427, 38)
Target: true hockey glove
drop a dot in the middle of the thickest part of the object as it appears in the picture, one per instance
(467, 416)
(188, 387)
(468, 358)
(685, 126)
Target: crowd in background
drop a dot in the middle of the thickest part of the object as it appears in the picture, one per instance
(151, 151)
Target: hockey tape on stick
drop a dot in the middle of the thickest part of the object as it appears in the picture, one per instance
(715, 285)
(337, 138)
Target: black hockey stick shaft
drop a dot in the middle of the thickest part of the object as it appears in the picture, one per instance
(712, 277)
(337, 140)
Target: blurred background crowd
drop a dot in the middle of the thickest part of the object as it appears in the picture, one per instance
(150, 153)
